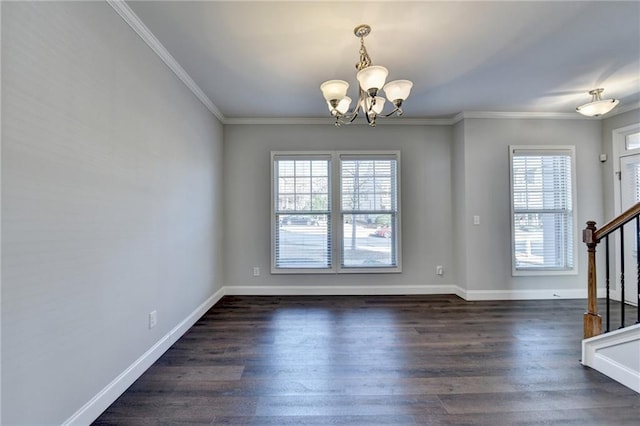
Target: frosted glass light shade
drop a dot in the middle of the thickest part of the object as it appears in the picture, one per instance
(343, 105)
(597, 108)
(377, 108)
(334, 89)
(372, 77)
(398, 89)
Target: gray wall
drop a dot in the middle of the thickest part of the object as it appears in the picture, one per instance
(487, 194)
(449, 174)
(111, 204)
(426, 200)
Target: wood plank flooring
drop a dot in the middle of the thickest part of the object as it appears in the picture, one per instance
(378, 360)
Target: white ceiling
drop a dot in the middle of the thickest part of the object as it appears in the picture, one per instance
(256, 59)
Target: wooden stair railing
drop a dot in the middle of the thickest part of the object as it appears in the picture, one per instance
(591, 237)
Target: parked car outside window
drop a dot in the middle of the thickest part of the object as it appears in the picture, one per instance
(384, 232)
(300, 220)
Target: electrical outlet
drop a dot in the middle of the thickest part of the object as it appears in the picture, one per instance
(439, 270)
(153, 319)
(256, 271)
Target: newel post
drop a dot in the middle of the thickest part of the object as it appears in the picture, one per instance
(592, 321)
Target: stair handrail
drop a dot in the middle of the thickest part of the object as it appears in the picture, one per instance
(591, 236)
(615, 223)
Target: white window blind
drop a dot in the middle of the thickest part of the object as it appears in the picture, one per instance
(302, 212)
(542, 209)
(337, 219)
(369, 211)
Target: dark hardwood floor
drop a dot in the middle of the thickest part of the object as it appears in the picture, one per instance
(378, 360)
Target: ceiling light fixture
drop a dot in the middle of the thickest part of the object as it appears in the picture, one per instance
(371, 80)
(597, 106)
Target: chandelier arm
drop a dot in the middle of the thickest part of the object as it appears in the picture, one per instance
(347, 118)
(397, 110)
(350, 116)
(370, 120)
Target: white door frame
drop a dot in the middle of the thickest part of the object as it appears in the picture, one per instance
(619, 151)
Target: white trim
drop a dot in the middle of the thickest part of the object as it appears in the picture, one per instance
(544, 150)
(147, 36)
(621, 110)
(373, 290)
(101, 401)
(330, 121)
(448, 121)
(518, 115)
(335, 290)
(1, 133)
(619, 151)
(335, 159)
(396, 231)
(606, 365)
(542, 294)
(617, 372)
(541, 115)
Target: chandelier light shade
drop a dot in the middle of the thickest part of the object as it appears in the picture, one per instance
(376, 107)
(372, 77)
(334, 89)
(343, 105)
(597, 106)
(398, 89)
(371, 83)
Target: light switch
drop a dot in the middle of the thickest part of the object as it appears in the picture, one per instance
(476, 220)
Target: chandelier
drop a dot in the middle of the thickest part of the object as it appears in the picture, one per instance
(597, 106)
(371, 80)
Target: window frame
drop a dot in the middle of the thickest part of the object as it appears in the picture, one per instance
(301, 155)
(335, 227)
(542, 150)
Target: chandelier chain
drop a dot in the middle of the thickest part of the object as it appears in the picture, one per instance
(365, 59)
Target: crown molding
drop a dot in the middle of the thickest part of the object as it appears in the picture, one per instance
(147, 36)
(542, 115)
(622, 109)
(329, 121)
(518, 115)
(422, 121)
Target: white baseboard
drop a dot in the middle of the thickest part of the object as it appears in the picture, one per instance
(358, 290)
(364, 290)
(477, 295)
(608, 353)
(617, 372)
(100, 402)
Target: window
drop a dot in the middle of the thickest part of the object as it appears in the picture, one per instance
(543, 217)
(302, 207)
(632, 141)
(335, 212)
